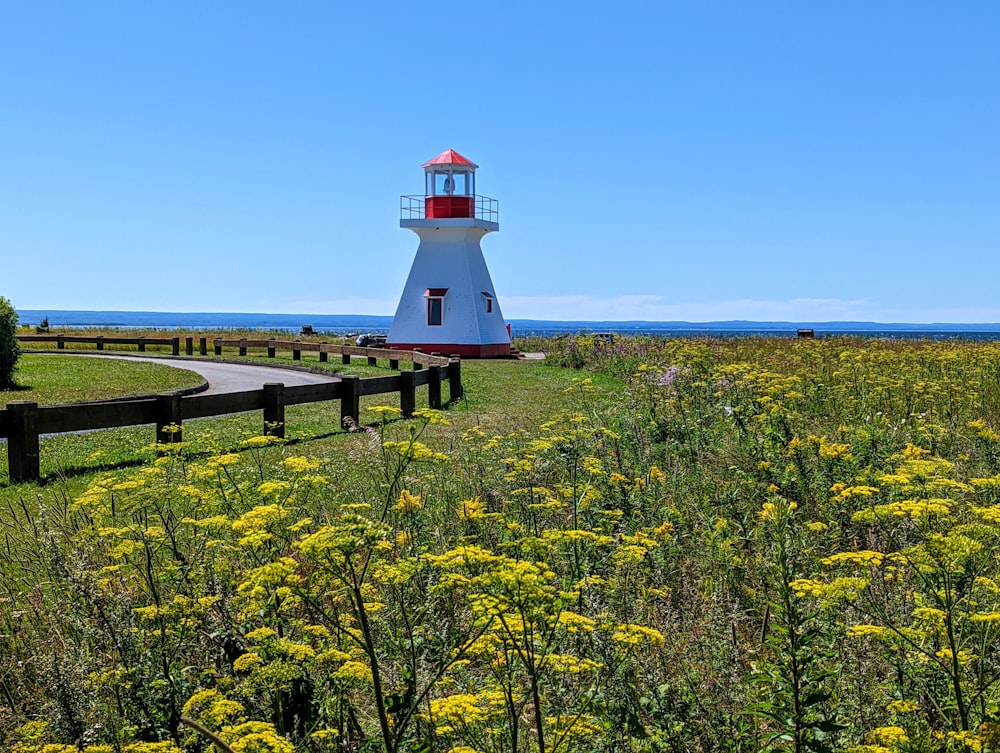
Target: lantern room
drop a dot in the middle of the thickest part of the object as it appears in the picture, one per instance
(449, 186)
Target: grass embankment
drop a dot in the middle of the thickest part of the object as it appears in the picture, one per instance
(53, 379)
(717, 545)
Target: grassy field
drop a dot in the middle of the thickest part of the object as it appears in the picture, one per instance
(655, 545)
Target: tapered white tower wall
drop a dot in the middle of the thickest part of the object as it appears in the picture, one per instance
(448, 304)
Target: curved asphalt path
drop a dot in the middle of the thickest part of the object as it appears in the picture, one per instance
(237, 377)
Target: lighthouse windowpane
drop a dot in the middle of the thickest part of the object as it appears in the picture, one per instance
(443, 184)
(435, 310)
(462, 184)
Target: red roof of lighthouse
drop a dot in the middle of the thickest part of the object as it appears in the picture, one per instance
(450, 157)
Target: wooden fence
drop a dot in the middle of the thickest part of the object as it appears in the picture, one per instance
(243, 346)
(100, 342)
(23, 422)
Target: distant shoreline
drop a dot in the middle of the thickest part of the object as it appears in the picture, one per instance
(356, 323)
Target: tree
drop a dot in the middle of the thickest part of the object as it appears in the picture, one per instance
(10, 351)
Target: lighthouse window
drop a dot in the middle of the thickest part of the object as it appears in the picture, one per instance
(444, 185)
(487, 302)
(435, 311)
(452, 184)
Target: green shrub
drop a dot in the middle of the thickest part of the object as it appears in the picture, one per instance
(10, 351)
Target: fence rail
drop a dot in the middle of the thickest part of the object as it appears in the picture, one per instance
(23, 422)
(101, 341)
(418, 358)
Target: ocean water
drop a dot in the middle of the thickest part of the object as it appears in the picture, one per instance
(342, 324)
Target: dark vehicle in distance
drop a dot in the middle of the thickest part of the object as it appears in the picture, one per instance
(370, 341)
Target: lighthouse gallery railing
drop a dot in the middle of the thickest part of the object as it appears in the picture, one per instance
(414, 208)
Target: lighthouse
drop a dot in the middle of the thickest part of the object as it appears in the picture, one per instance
(448, 304)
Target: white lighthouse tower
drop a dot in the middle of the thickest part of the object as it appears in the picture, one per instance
(448, 304)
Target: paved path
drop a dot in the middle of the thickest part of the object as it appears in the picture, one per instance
(229, 377)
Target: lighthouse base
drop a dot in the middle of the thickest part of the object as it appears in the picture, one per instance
(493, 350)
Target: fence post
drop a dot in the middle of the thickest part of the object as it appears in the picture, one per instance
(203, 346)
(407, 393)
(274, 410)
(189, 346)
(60, 342)
(243, 346)
(434, 387)
(22, 443)
(372, 360)
(394, 362)
(455, 389)
(417, 366)
(218, 348)
(168, 418)
(345, 358)
(142, 344)
(99, 341)
(350, 399)
(323, 355)
(296, 352)
(455, 379)
(270, 349)
(175, 346)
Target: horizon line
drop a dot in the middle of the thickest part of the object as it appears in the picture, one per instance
(677, 322)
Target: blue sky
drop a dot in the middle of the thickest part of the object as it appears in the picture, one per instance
(652, 160)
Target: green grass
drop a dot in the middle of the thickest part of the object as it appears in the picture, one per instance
(52, 379)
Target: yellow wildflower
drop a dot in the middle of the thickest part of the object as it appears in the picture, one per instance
(863, 631)
(889, 735)
(354, 671)
(968, 740)
(470, 509)
(407, 503)
(223, 460)
(633, 635)
(247, 662)
(386, 412)
(300, 464)
(574, 622)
